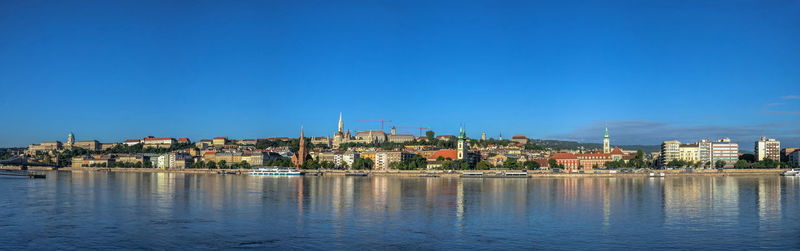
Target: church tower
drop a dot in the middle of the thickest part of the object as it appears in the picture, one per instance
(340, 136)
(483, 136)
(606, 142)
(70, 140)
(462, 144)
(300, 158)
(341, 124)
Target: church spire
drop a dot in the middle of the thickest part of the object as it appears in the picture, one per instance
(341, 123)
(606, 142)
(302, 153)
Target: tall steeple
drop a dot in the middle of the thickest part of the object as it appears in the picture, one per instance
(341, 123)
(606, 142)
(302, 153)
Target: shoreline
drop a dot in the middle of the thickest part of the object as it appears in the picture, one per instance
(417, 173)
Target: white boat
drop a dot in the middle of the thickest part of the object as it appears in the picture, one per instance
(472, 174)
(275, 171)
(658, 174)
(791, 173)
(515, 174)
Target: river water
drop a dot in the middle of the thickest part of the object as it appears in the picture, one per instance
(99, 210)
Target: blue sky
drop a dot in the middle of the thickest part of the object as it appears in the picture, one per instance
(650, 70)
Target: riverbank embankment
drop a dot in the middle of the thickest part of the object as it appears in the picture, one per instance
(536, 173)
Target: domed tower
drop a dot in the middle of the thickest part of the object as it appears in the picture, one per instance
(70, 140)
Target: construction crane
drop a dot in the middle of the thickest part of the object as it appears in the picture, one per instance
(417, 127)
(379, 121)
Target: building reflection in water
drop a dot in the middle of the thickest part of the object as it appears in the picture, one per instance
(339, 204)
(769, 201)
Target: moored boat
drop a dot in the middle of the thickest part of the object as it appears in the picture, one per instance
(275, 171)
(472, 174)
(514, 175)
(791, 173)
(658, 174)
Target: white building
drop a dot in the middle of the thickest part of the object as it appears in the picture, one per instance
(342, 158)
(724, 150)
(670, 150)
(768, 149)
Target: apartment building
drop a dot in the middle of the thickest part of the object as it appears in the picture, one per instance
(767, 149)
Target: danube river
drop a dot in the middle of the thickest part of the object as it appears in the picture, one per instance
(101, 210)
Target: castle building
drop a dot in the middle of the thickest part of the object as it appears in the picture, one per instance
(341, 136)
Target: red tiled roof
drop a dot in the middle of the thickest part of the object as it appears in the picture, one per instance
(519, 136)
(446, 153)
(183, 140)
(617, 151)
(133, 140)
(592, 155)
(563, 156)
(164, 138)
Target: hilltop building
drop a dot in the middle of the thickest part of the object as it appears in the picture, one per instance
(367, 137)
(520, 139)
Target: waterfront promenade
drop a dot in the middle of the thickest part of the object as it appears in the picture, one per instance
(534, 173)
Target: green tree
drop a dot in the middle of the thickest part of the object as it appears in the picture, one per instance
(742, 164)
(531, 165)
(222, 164)
(749, 157)
(327, 165)
(483, 165)
(430, 135)
(511, 163)
(447, 165)
(211, 165)
(199, 164)
(461, 164)
(244, 165)
(552, 163)
(719, 164)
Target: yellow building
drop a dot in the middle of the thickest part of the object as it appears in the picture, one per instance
(220, 141)
(689, 152)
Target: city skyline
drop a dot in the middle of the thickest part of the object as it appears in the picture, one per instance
(651, 71)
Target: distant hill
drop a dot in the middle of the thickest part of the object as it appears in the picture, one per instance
(572, 145)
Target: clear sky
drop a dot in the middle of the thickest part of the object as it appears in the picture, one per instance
(649, 70)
